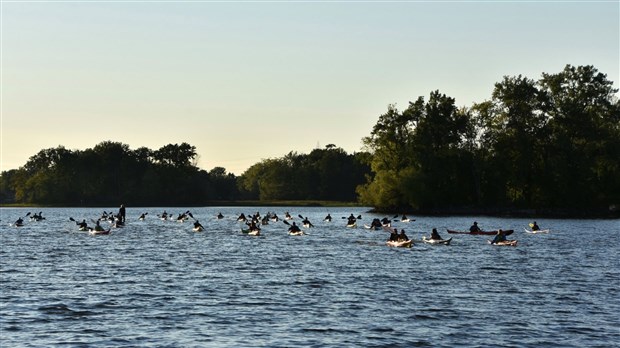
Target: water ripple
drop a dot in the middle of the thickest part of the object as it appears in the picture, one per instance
(156, 283)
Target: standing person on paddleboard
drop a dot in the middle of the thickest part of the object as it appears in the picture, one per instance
(121, 214)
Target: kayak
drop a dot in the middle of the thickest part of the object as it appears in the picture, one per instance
(504, 243)
(376, 228)
(353, 225)
(298, 233)
(534, 232)
(251, 233)
(403, 244)
(436, 241)
(95, 233)
(198, 229)
(308, 225)
(488, 233)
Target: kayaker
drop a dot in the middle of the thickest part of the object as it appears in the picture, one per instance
(499, 237)
(142, 216)
(82, 225)
(435, 235)
(19, 222)
(307, 222)
(376, 223)
(241, 217)
(474, 227)
(535, 227)
(351, 220)
(404, 218)
(197, 225)
(98, 227)
(394, 235)
(328, 218)
(253, 226)
(294, 228)
(402, 237)
(220, 216)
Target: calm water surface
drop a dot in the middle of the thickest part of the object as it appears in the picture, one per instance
(157, 283)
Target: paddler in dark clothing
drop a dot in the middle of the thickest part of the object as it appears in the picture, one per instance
(351, 220)
(385, 221)
(394, 235)
(307, 222)
(82, 225)
(121, 213)
(253, 226)
(197, 225)
(220, 216)
(98, 227)
(499, 237)
(402, 237)
(435, 235)
(375, 223)
(328, 218)
(535, 227)
(474, 227)
(294, 228)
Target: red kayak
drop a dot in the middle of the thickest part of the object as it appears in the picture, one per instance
(486, 233)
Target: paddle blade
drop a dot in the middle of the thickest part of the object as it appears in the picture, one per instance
(72, 219)
(286, 222)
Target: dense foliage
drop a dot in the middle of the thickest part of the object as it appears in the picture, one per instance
(551, 144)
(111, 173)
(547, 144)
(323, 174)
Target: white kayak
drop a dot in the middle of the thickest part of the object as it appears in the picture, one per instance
(297, 233)
(368, 227)
(504, 243)
(402, 244)
(537, 231)
(436, 241)
(198, 229)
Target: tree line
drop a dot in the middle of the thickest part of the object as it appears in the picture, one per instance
(548, 144)
(551, 144)
(111, 173)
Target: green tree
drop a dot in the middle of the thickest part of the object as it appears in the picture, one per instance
(584, 149)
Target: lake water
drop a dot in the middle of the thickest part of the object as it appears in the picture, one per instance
(159, 284)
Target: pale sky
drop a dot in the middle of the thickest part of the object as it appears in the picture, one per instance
(245, 81)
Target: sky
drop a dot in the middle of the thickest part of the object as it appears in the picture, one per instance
(244, 81)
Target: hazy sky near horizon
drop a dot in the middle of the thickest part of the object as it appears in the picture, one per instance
(246, 81)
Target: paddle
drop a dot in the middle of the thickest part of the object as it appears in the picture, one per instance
(286, 222)
(301, 217)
